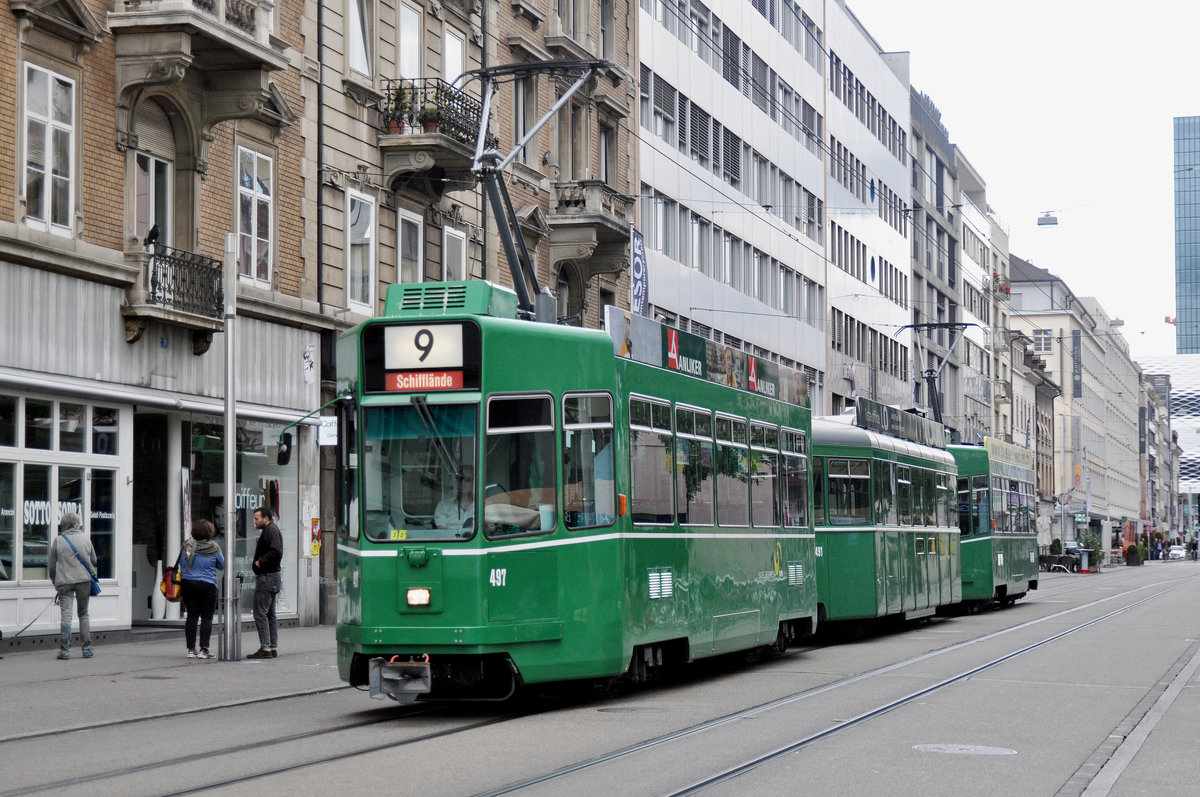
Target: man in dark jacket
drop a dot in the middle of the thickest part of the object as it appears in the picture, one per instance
(268, 554)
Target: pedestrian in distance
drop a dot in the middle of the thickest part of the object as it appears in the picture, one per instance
(268, 555)
(71, 570)
(199, 562)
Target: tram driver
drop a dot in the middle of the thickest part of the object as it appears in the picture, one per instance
(458, 512)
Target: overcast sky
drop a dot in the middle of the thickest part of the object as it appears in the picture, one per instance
(1066, 106)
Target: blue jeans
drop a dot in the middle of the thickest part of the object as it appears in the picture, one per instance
(68, 594)
(266, 587)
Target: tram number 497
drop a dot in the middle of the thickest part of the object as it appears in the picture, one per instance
(499, 577)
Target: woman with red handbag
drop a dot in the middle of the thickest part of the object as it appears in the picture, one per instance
(199, 562)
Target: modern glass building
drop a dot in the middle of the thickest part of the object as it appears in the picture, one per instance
(1187, 234)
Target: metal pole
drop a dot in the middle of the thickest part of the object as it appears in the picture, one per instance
(231, 649)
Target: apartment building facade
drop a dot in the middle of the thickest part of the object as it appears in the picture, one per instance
(153, 143)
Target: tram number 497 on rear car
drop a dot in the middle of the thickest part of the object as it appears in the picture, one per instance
(499, 576)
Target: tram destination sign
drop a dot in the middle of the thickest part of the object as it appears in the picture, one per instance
(414, 358)
(895, 422)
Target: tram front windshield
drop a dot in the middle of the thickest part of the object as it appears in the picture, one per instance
(418, 472)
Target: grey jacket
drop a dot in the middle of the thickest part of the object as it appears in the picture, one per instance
(64, 567)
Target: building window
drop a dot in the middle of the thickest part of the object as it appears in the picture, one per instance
(360, 246)
(410, 43)
(408, 245)
(452, 56)
(454, 254)
(607, 29)
(255, 198)
(607, 146)
(1043, 341)
(524, 111)
(152, 208)
(358, 35)
(49, 149)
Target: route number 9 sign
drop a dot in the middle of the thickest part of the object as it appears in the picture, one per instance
(419, 347)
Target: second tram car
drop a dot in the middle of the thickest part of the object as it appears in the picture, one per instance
(997, 522)
(523, 502)
(883, 510)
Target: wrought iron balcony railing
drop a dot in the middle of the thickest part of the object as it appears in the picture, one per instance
(186, 281)
(432, 105)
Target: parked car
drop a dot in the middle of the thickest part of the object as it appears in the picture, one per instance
(1176, 552)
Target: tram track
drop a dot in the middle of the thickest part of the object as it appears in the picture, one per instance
(376, 718)
(291, 741)
(733, 772)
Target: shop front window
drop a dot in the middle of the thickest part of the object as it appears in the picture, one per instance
(102, 514)
(260, 482)
(8, 521)
(38, 415)
(36, 520)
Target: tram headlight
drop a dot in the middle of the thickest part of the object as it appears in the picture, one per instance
(418, 596)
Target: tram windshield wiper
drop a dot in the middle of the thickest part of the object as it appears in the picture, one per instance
(423, 412)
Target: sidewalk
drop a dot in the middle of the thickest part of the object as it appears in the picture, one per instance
(153, 675)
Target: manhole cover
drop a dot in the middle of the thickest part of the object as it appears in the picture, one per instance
(632, 710)
(963, 749)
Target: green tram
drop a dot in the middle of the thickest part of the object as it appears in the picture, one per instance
(996, 518)
(524, 502)
(883, 510)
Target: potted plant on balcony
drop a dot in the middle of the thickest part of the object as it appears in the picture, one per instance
(399, 106)
(429, 118)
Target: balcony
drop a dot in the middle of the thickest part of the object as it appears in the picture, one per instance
(1003, 392)
(1001, 287)
(589, 224)
(428, 124)
(183, 289)
(212, 34)
(222, 50)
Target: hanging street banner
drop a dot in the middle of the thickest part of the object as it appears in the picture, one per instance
(639, 277)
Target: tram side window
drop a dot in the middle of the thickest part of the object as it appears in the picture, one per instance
(928, 496)
(589, 488)
(733, 471)
(519, 474)
(794, 476)
(980, 506)
(885, 497)
(650, 461)
(1000, 506)
(964, 506)
(819, 492)
(764, 476)
(849, 492)
(694, 475)
(945, 501)
(904, 494)
(1015, 510)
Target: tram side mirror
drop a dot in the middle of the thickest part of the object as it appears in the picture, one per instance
(284, 456)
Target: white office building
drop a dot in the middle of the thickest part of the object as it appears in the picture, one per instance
(775, 188)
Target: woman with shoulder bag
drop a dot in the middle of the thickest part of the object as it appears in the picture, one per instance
(198, 564)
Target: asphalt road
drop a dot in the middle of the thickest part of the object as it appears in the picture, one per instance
(1087, 687)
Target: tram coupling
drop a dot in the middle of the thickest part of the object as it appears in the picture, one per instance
(402, 681)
